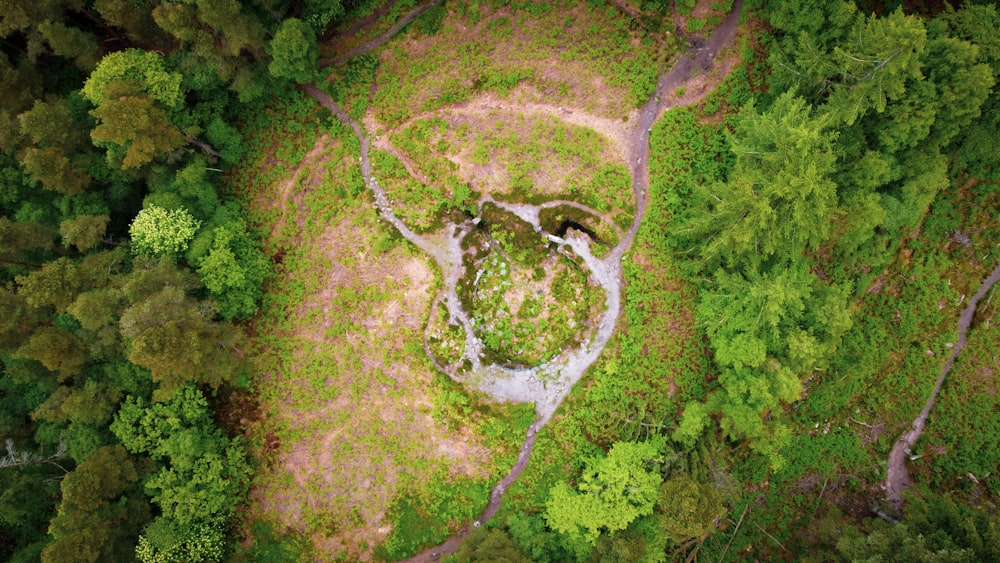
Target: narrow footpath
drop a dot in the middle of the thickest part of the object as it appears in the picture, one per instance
(898, 478)
(546, 385)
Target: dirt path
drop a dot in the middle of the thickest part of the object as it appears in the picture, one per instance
(700, 57)
(358, 25)
(897, 477)
(614, 130)
(546, 385)
(403, 22)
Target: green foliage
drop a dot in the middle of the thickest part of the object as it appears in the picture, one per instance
(688, 509)
(100, 514)
(321, 13)
(430, 22)
(54, 170)
(84, 231)
(226, 139)
(957, 426)
(133, 127)
(202, 476)
(71, 42)
(227, 38)
(779, 198)
(156, 231)
(162, 324)
(425, 520)
(163, 541)
(55, 284)
(294, 51)
(898, 543)
(135, 65)
(489, 545)
(612, 492)
(269, 546)
(234, 271)
(66, 352)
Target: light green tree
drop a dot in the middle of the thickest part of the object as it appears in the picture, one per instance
(203, 474)
(612, 492)
(141, 67)
(158, 231)
(234, 271)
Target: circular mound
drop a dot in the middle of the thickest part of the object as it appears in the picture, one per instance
(527, 315)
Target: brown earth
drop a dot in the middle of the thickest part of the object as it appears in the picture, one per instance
(334, 471)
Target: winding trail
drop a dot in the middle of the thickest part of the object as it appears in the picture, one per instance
(378, 41)
(548, 384)
(897, 477)
(358, 25)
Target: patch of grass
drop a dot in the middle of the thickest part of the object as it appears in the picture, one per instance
(695, 24)
(606, 64)
(417, 204)
(520, 158)
(432, 516)
(346, 422)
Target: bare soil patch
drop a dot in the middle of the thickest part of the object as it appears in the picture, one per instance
(353, 409)
(487, 118)
(549, 52)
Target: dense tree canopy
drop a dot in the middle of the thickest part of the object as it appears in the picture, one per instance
(113, 115)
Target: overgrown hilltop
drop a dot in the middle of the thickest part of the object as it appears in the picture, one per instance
(815, 224)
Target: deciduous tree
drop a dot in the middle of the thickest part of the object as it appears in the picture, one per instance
(157, 231)
(101, 511)
(294, 51)
(612, 492)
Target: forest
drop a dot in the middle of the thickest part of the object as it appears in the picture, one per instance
(270, 272)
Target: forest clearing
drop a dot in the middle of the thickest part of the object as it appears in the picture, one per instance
(499, 279)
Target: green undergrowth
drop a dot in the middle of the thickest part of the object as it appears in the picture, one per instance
(959, 444)
(351, 87)
(420, 206)
(606, 63)
(654, 364)
(348, 432)
(359, 10)
(281, 134)
(427, 515)
(519, 158)
(883, 373)
(964, 424)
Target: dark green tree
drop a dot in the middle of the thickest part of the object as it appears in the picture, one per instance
(101, 511)
(294, 52)
(489, 546)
